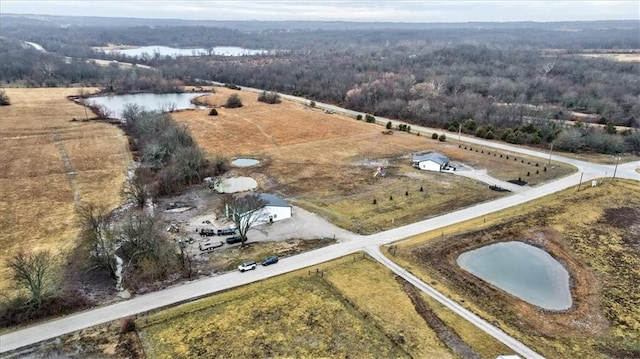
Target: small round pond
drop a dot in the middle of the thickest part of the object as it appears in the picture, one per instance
(244, 162)
(522, 270)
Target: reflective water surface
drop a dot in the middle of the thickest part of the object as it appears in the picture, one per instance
(522, 270)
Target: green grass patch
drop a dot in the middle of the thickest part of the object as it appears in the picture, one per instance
(399, 201)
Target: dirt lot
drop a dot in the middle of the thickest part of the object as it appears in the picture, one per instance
(49, 163)
(600, 251)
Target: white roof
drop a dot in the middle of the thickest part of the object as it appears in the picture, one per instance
(432, 156)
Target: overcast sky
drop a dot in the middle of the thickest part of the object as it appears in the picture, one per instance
(396, 11)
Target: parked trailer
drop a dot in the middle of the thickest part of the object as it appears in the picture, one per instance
(209, 246)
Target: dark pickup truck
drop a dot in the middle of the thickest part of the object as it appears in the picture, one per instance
(207, 232)
(226, 231)
(234, 239)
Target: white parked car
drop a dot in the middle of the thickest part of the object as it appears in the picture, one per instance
(249, 265)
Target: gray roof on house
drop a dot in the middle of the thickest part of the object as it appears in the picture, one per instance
(432, 156)
(273, 200)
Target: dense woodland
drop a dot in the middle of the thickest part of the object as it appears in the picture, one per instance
(506, 81)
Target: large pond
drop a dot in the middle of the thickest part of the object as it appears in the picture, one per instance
(524, 271)
(150, 51)
(149, 101)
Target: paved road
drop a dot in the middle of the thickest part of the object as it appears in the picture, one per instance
(348, 243)
(512, 343)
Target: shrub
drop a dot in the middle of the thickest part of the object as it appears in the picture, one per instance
(232, 86)
(4, 99)
(213, 112)
(388, 125)
(535, 139)
(442, 138)
(269, 97)
(481, 132)
(434, 136)
(570, 140)
(359, 117)
(370, 118)
(127, 325)
(375, 201)
(233, 102)
(469, 125)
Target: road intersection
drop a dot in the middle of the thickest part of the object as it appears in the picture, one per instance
(348, 243)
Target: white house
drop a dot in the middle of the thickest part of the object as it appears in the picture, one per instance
(432, 161)
(275, 209)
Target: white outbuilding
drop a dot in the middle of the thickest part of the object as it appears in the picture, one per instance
(431, 161)
(275, 209)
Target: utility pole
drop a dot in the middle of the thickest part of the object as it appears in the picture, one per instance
(579, 184)
(459, 130)
(616, 168)
(550, 151)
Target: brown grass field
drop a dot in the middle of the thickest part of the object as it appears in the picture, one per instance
(325, 162)
(356, 308)
(37, 200)
(594, 233)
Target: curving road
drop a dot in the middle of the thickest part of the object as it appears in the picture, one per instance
(348, 243)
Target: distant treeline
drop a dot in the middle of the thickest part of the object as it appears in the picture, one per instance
(513, 82)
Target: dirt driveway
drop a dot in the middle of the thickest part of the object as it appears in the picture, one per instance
(302, 225)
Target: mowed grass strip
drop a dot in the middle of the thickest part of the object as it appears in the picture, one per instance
(296, 315)
(595, 231)
(37, 204)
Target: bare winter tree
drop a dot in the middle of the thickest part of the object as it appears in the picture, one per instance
(136, 191)
(95, 229)
(144, 248)
(103, 112)
(245, 211)
(33, 271)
